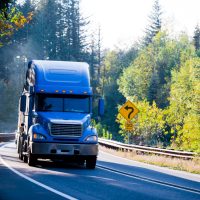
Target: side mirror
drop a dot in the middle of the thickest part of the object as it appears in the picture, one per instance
(101, 107)
(23, 103)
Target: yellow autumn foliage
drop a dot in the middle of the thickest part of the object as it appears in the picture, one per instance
(14, 21)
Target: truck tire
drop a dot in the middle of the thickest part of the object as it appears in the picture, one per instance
(25, 157)
(20, 147)
(31, 159)
(91, 162)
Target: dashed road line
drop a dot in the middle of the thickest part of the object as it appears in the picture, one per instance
(187, 189)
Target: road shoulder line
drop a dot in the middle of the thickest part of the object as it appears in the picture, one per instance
(36, 182)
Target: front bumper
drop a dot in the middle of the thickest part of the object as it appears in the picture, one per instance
(58, 149)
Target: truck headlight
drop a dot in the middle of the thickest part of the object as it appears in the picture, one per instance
(92, 138)
(38, 136)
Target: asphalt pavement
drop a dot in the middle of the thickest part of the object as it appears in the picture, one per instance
(114, 178)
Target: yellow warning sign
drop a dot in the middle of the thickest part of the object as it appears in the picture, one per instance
(128, 110)
(128, 126)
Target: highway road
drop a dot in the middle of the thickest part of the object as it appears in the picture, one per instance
(114, 178)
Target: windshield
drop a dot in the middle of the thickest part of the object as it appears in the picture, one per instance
(63, 103)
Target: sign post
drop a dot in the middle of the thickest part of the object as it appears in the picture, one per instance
(128, 111)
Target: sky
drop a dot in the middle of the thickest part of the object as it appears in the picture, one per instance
(123, 22)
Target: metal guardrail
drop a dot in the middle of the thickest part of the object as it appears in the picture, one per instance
(5, 137)
(146, 150)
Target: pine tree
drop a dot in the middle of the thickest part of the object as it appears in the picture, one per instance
(95, 61)
(56, 32)
(76, 26)
(196, 38)
(50, 29)
(155, 23)
(22, 35)
(153, 87)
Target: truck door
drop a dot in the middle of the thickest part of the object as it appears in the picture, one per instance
(26, 115)
(28, 112)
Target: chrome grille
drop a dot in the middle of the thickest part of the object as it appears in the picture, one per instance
(70, 130)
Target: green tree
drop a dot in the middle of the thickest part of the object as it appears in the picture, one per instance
(149, 125)
(149, 76)
(196, 39)
(73, 24)
(4, 5)
(11, 20)
(95, 61)
(55, 32)
(184, 116)
(155, 23)
(13, 34)
(114, 63)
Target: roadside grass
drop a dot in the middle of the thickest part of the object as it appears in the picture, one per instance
(192, 165)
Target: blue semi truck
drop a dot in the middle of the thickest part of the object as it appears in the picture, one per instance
(55, 109)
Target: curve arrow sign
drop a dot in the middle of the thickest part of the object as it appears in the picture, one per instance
(131, 111)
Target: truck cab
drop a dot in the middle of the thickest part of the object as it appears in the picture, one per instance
(55, 110)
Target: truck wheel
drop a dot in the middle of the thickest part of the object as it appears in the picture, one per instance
(25, 159)
(31, 159)
(20, 147)
(91, 162)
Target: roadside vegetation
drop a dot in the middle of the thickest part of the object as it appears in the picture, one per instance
(161, 76)
(160, 73)
(192, 166)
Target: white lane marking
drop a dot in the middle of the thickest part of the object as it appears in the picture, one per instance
(37, 183)
(151, 181)
(168, 171)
